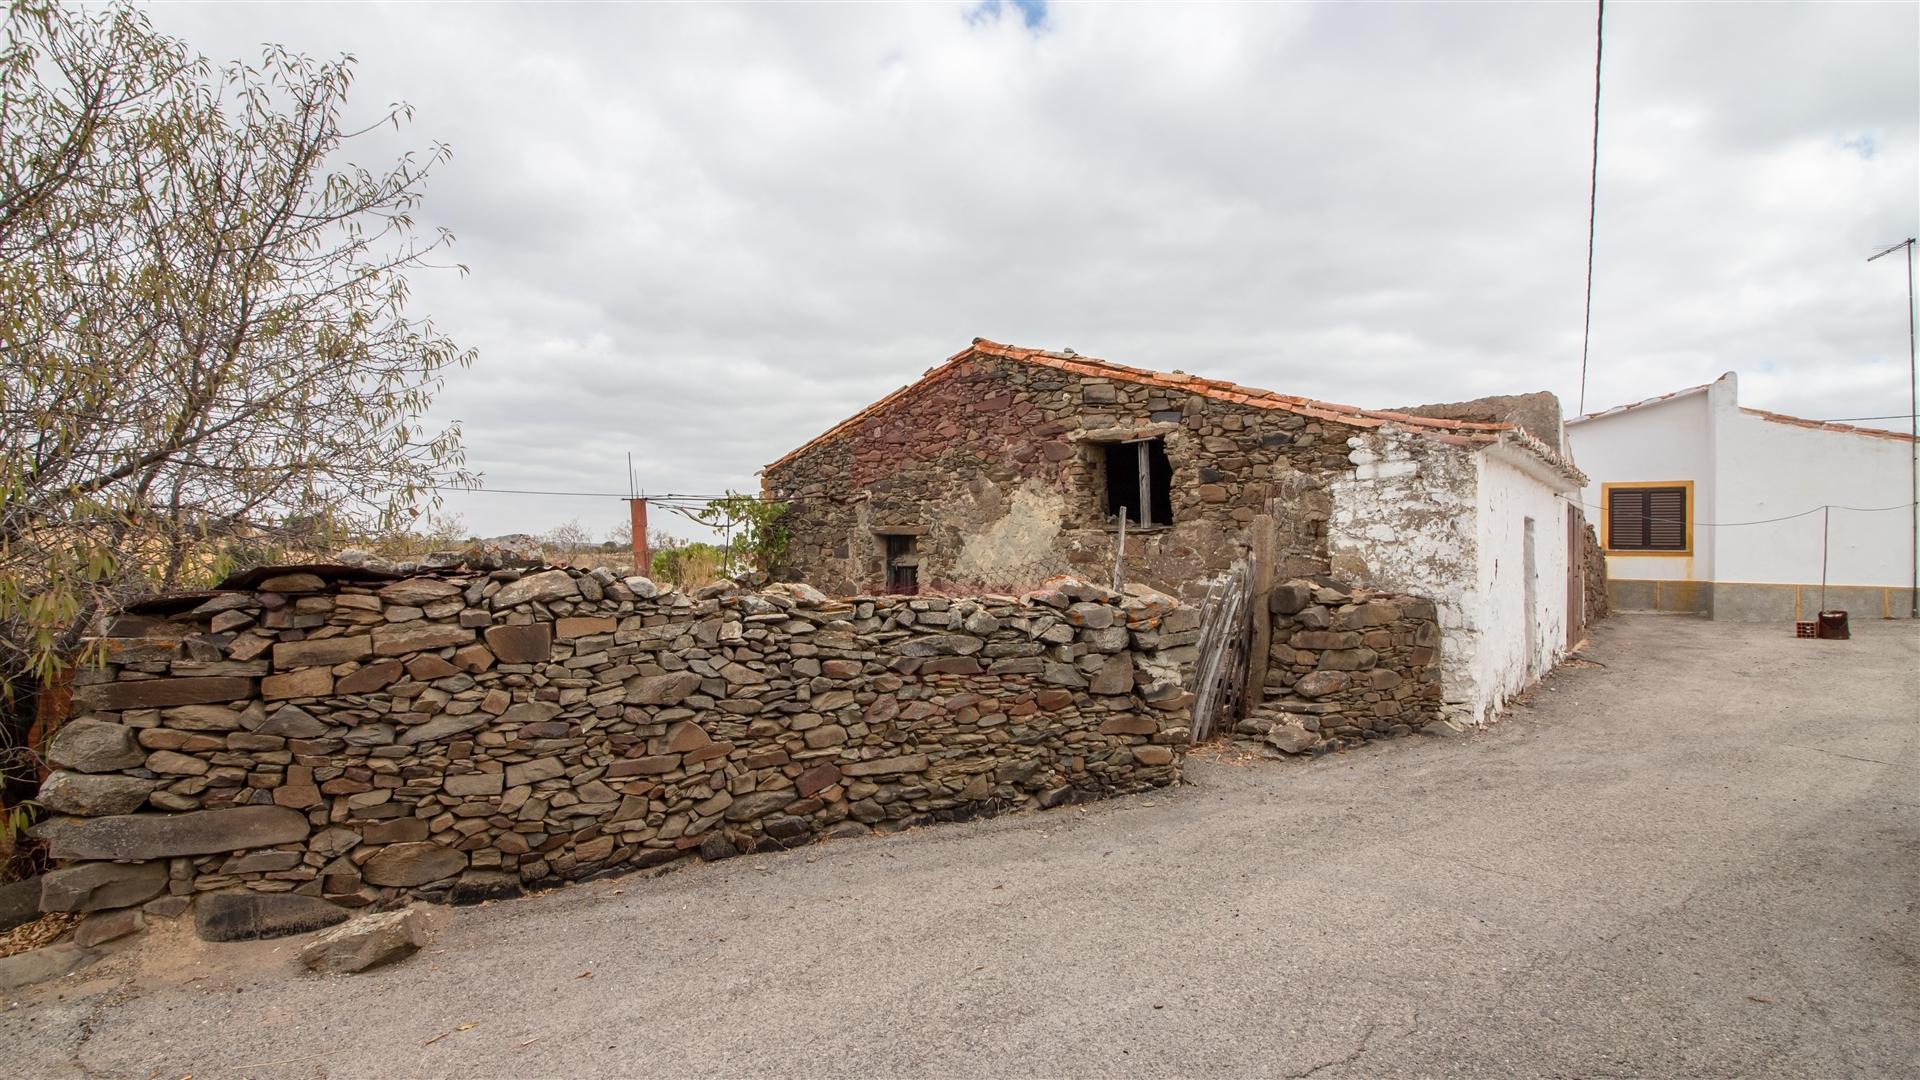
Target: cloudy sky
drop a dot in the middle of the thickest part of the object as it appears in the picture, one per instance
(704, 233)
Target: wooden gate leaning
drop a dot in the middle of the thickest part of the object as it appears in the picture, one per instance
(1236, 627)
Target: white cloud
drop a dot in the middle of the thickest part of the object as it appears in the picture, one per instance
(704, 233)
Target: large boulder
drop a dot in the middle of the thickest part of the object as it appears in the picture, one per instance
(90, 746)
(368, 941)
(138, 837)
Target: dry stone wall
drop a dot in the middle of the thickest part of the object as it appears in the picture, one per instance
(462, 735)
(1346, 666)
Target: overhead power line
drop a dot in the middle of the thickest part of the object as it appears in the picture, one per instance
(1593, 197)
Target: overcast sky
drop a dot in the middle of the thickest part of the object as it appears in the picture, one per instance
(702, 234)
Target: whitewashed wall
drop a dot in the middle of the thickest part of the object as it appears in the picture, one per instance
(1449, 524)
(1771, 469)
(1669, 440)
(1524, 608)
(1747, 468)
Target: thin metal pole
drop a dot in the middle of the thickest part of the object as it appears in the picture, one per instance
(1826, 512)
(1913, 432)
(1120, 553)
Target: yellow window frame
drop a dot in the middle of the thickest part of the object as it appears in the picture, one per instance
(1606, 510)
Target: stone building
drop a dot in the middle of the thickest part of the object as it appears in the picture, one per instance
(1005, 466)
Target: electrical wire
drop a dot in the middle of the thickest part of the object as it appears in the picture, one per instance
(1762, 521)
(1593, 197)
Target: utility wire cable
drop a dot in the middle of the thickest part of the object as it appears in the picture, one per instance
(1593, 197)
(1762, 521)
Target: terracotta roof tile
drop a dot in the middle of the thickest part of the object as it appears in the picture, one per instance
(1463, 432)
(1827, 425)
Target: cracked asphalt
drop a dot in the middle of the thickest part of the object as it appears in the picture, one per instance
(1700, 859)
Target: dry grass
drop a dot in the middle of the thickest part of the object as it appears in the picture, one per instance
(44, 930)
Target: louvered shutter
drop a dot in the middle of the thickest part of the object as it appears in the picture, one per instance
(1666, 519)
(1626, 519)
(1647, 519)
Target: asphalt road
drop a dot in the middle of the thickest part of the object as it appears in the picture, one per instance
(1702, 859)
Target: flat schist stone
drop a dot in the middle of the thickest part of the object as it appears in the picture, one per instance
(137, 837)
(161, 693)
(242, 915)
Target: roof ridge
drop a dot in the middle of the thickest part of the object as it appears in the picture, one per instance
(1465, 431)
(1825, 425)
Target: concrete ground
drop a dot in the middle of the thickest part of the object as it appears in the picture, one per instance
(1701, 859)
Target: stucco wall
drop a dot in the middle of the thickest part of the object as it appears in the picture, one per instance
(1670, 440)
(1522, 583)
(1748, 468)
(1414, 518)
(1770, 469)
(1403, 522)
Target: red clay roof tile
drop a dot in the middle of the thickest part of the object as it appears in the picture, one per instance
(1464, 432)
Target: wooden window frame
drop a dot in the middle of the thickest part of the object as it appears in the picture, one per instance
(1144, 446)
(1606, 520)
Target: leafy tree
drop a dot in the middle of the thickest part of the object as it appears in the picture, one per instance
(751, 526)
(203, 311)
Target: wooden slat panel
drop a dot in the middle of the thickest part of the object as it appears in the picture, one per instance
(1626, 519)
(1666, 519)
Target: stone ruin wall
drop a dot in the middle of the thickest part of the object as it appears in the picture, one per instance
(464, 735)
(1346, 667)
(998, 463)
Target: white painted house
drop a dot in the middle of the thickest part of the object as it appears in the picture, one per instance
(1494, 538)
(1705, 506)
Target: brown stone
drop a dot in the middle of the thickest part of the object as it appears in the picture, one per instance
(1128, 724)
(1115, 675)
(399, 639)
(473, 659)
(669, 689)
(307, 682)
(375, 676)
(684, 736)
(395, 831)
(541, 587)
(529, 643)
(89, 795)
(428, 667)
(815, 780)
(906, 763)
(97, 886)
(291, 583)
(137, 837)
(160, 693)
(584, 626)
(418, 592)
(325, 652)
(412, 864)
(93, 747)
(1153, 755)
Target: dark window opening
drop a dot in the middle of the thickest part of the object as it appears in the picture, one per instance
(1647, 519)
(903, 566)
(1139, 476)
